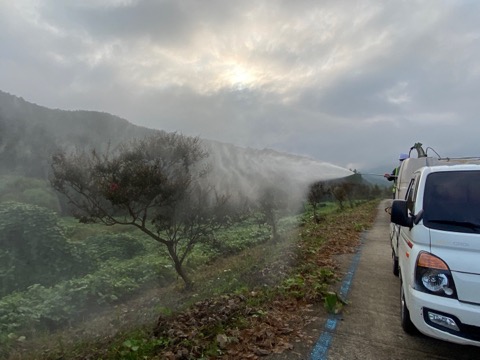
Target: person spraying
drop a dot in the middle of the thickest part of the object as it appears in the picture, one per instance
(394, 174)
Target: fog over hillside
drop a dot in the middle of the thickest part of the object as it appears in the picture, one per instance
(31, 133)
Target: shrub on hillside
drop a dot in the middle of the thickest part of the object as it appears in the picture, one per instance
(33, 249)
(103, 247)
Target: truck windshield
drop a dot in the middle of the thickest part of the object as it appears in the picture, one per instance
(452, 201)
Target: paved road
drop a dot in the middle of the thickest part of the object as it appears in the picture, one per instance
(370, 326)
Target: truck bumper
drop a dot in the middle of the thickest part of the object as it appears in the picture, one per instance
(443, 318)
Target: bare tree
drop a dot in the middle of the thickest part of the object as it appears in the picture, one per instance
(340, 194)
(272, 201)
(316, 195)
(154, 184)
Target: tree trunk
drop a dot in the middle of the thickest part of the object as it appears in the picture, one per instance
(179, 267)
(274, 228)
(274, 233)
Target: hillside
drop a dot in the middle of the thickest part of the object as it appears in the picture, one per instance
(260, 301)
(30, 133)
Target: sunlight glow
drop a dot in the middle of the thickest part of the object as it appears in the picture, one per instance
(239, 76)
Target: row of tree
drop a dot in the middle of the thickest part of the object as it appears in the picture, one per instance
(344, 191)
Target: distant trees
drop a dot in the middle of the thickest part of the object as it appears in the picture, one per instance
(342, 191)
(155, 184)
(24, 148)
(28, 190)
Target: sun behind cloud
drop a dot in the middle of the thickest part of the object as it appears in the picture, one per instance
(239, 76)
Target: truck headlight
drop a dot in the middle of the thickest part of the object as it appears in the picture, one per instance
(433, 276)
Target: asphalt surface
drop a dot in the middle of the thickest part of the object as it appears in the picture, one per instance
(369, 327)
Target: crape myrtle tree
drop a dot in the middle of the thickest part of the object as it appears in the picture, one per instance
(156, 184)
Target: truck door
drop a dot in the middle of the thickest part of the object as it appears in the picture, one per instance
(395, 229)
(406, 236)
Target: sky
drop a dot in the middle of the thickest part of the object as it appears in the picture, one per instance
(352, 83)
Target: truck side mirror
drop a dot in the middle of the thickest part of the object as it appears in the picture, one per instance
(399, 214)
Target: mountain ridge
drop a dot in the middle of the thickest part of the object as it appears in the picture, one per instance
(30, 133)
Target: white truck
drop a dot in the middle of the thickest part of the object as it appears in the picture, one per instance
(435, 238)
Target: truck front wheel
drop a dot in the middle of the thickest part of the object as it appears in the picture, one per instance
(396, 271)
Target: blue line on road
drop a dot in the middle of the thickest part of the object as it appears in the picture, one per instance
(320, 350)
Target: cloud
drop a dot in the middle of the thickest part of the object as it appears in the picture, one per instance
(335, 80)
